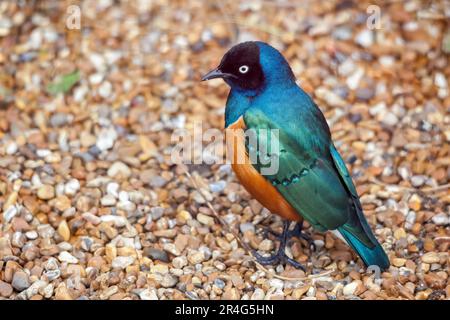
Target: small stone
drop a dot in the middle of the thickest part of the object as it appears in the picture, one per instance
(179, 262)
(119, 169)
(365, 38)
(398, 262)
(169, 280)
(299, 292)
(195, 257)
(106, 138)
(441, 219)
(389, 119)
(71, 187)
(399, 233)
(148, 294)
(46, 192)
(223, 244)
(122, 262)
(204, 219)
(183, 216)
(248, 226)
(65, 256)
(218, 186)
(63, 230)
(417, 181)
(31, 235)
(156, 254)
(415, 202)
(108, 201)
(62, 203)
(118, 221)
(266, 245)
(231, 294)
(5, 289)
(20, 281)
(430, 257)
(350, 288)
(276, 283)
(258, 294)
(5, 248)
(62, 293)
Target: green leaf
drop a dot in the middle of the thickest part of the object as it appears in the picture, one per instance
(64, 83)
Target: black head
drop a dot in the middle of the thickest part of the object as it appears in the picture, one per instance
(240, 67)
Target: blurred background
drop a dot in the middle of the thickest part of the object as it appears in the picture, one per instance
(91, 92)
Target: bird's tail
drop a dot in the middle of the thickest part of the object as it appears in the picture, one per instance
(370, 256)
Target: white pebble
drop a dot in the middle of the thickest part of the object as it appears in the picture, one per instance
(65, 256)
(72, 187)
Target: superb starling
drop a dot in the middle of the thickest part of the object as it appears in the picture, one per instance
(312, 181)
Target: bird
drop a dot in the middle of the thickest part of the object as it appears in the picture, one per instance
(312, 181)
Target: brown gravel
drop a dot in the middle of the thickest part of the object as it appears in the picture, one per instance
(92, 206)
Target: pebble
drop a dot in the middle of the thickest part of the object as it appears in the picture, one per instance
(122, 262)
(46, 192)
(389, 119)
(63, 230)
(430, 257)
(169, 280)
(71, 187)
(156, 254)
(31, 235)
(5, 289)
(258, 294)
(365, 38)
(20, 281)
(108, 200)
(206, 220)
(118, 221)
(248, 226)
(179, 262)
(148, 294)
(195, 257)
(266, 245)
(350, 288)
(417, 181)
(65, 256)
(441, 219)
(119, 169)
(106, 138)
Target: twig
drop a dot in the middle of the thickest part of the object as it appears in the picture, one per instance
(243, 244)
(425, 190)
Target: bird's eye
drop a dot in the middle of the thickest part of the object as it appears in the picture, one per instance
(243, 69)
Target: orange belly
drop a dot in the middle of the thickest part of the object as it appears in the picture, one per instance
(251, 179)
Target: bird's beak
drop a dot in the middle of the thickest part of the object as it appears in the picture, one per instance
(216, 73)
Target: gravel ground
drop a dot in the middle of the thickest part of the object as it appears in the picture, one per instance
(93, 208)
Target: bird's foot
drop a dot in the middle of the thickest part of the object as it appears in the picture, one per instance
(280, 256)
(296, 232)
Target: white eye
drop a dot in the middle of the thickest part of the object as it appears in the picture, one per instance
(243, 69)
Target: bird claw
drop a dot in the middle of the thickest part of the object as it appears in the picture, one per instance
(279, 257)
(296, 232)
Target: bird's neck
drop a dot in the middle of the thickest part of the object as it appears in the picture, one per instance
(237, 103)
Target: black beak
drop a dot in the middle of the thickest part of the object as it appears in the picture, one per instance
(216, 73)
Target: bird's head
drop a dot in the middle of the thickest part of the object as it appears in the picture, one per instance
(250, 66)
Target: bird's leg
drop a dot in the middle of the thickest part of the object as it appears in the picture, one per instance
(296, 232)
(280, 256)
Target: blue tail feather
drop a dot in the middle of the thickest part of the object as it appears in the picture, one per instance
(370, 256)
